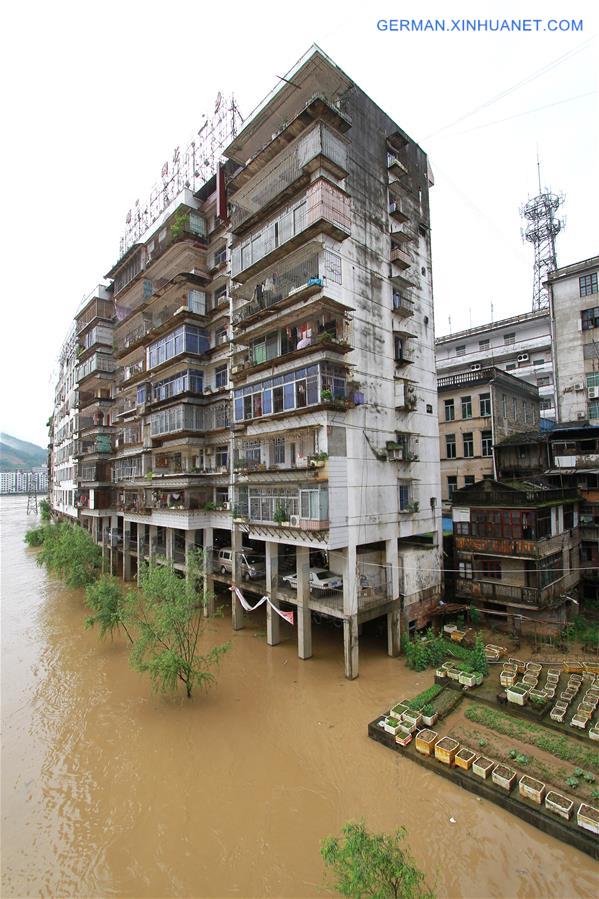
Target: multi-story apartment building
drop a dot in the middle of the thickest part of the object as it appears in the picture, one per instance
(64, 431)
(574, 297)
(517, 551)
(566, 457)
(477, 409)
(521, 345)
(96, 431)
(275, 389)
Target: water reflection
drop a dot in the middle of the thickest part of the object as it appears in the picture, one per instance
(108, 790)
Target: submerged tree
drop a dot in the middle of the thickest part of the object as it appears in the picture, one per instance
(479, 656)
(68, 551)
(167, 615)
(108, 603)
(374, 865)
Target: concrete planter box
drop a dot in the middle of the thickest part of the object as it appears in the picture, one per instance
(449, 628)
(398, 710)
(504, 777)
(561, 805)
(517, 694)
(453, 674)
(440, 672)
(469, 680)
(549, 692)
(558, 712)
(580, 721)
(403, 736)
(445, 750)
(537, 696)
(507, 679)
(588, 817)
(464, 758)
(425, 742)
(392, 725)
(408, 725)
(531, 680)
(532, 789)
(482, 767)
(520, 666)
(594, 732)
(412, 718)
(534, 668)
(429, 720)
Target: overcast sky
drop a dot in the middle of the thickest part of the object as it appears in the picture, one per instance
(97, 96)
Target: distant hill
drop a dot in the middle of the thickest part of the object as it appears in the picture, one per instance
(18, 454)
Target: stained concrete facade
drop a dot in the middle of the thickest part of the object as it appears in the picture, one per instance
(574, 298)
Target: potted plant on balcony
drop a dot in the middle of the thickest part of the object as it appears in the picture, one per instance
(237, 516)
(326, 395)
(317, 460)
(280, 516)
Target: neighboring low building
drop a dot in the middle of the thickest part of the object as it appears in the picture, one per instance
(574, 293)
(517, 551)
(520, 345)
(566, 457)
(476, 410)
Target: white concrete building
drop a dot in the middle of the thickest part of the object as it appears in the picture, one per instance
(574, 296)
(520, 345)
(65, 430)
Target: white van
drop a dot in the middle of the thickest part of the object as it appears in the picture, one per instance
(252, 565)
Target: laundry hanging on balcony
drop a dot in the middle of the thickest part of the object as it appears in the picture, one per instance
(288, 616)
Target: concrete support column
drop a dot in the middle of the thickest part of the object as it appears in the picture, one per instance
(105, 549)
(141, 533)
(208, 539)
(189, 549)
(350, 581)
(114, 547)
(272, 576)
(304, 618)
(350, 646)
(152, 545)
(127, 551)
(394, 617)
(237, 613)
(170, 544)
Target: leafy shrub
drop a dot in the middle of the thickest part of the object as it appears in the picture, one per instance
(482, 743)
(572, 782)
(35, 536)
(589, 777)
(522, 759)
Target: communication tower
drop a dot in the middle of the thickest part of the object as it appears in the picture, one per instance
(541, 229)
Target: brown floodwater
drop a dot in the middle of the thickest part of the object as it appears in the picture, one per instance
(108, 790)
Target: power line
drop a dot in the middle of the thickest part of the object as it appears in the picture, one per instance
(525, 113)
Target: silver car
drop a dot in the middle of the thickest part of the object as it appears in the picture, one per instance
(320, 579)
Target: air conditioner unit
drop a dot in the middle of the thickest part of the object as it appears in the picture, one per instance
(475, 366)
(294, 521)
(396, 455)
(579, 386)
(523, 357)
(593, 393)
(226, 506)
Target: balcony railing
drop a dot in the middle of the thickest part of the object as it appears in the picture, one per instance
(126, 373)
(99, 309)
(320, 144)
(550, 595)
(101, 362)
(495, 496)
(288, 282)
(324, 207)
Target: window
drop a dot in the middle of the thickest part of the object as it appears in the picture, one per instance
(594, 409)
(511, 366)
(469, 480)
(545, 404)
(504, 405)
(220, 335)
(450, 446)
(460, 350)
(314, 504)
(219, 295)
(538, 362)
(468, 438)
(452, 485)
(222, 456)
(449, 410)
(148, 288)
(196, 302)
(399, 349)
(483, 345)
(466, 407)
(220, 256)
(487, 443)
(404, 495)
(186, 339)
(590, 318)
(332, 266)
(485, 404)
(514, 408)
(568, 517)
(197, 225)
(318, 383)
(509, 339)
(465, 570)
(545, 381)
(491, 568)
(588, 284)
(220, 376)
(550, 569)
(543, 524)
(278, 447)
(461, 528)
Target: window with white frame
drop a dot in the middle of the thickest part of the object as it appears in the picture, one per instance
(404, 495)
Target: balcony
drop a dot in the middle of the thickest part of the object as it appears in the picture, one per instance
(319, 148)
(126, 374)
(100, 363)
(186, 418)
(133, 338)
(293, 285)
(530, 548)
(402, 306)
(495, 591)
(100, 443)
(493, 496)
(323, 209)
(396, 166)
(400, 257)
(398, 211)
(98, 310)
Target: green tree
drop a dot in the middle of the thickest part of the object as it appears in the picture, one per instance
(68, 551)
(167, 616)
(374, 865)
(45, 510)
(479, 658)
(108, 604)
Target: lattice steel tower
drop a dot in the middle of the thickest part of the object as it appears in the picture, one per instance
(542, 229)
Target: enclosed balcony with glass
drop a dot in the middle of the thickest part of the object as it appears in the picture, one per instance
(324, 384)
(100, 363)
(323, 208)
(190, 381)
(186, 339)
(187, 418)
(298, 507)
(294, 450)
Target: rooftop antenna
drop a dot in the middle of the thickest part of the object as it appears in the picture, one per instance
(449, 320)
(541, 229)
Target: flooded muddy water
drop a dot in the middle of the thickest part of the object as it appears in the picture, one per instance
(108, 790)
